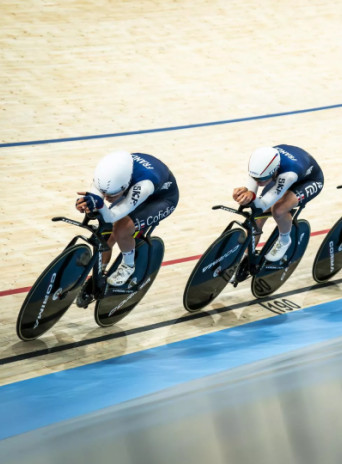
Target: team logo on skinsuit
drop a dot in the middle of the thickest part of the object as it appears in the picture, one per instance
(136, 191)
(287, 154)
(280, 185)
(160, 215)
(142, 161)
(308, 171)
(300, 196)
(313, 188)
(166, 186)
(140, 224)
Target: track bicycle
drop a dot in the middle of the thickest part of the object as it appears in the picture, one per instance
(328, 260)
(61, 282)
(223, 262)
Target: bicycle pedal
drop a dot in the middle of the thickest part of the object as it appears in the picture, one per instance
(242, 271)
(132, 282)
(82, 301)
(229, 274)
(242, 276)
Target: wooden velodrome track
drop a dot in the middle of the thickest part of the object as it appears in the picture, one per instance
(81, 78)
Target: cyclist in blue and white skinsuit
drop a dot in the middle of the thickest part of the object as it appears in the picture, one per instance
(290, 177)
(141, 191)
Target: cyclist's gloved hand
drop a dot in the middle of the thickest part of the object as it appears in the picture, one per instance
(93, 201)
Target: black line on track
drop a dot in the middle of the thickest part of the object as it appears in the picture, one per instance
(147, 328)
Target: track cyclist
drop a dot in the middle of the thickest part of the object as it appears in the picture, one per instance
(290, 176)
(141, 191)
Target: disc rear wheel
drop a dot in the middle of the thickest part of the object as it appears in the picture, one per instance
(274, 274)
(118, 302)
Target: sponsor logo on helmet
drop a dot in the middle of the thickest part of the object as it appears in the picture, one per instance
(254, 174)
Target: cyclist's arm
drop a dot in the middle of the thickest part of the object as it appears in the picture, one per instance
(244, 195)
(136, 195)
(252, 185)
(282, 184)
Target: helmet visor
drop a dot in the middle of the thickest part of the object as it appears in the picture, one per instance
(262, 179)
(112, 194)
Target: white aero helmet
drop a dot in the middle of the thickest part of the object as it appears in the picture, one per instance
(113, 172)
(263, 163)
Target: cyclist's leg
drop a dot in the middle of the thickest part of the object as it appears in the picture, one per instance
(260, 224)
(299, 194)
(123, 235)
(281, 212)
(149, 213)
(282, 216)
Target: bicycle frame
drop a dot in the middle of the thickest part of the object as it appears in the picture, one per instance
(97, 242)
(249, 224)
(99, 245)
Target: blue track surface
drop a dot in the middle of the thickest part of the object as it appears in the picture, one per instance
(45, 400)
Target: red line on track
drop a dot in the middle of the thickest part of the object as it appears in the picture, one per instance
(15, 290)
(165, 263)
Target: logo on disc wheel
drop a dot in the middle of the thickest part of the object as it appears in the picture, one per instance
(217, 271)
(57, 294)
